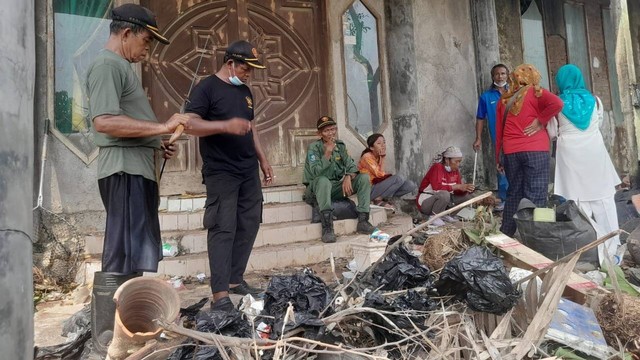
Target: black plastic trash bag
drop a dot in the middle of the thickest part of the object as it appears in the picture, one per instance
(342, 209)
(571, 231)
(191, 311)
(77, 329)
(400, 270)
(216, 322)
(308, 294)
(479, 278)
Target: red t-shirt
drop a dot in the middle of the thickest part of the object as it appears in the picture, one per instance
(439, 179)
(512, 138)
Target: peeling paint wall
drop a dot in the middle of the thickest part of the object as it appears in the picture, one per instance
(17, 66)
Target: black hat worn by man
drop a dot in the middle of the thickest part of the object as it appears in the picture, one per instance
(324, 121)
(245, 52)
(138, 15)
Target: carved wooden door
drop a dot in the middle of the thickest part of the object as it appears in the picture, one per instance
(289, 96)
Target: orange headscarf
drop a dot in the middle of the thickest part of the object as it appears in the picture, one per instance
(525, 75)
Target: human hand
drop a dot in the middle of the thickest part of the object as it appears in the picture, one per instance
(169, 150)
(237, 126)
(500, 168)
(347, 189)
(269, 178)
(477, 145)
(175, 121)
(533, 128)
(329, 146)
(468, 188)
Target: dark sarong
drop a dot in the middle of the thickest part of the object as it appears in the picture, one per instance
(132, 241)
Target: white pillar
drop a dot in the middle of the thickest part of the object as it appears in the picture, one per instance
(17, 66)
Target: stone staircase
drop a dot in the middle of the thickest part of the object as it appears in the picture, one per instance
(286, 236)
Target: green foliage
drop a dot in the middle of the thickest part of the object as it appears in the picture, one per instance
(625, 287)
(484, 224)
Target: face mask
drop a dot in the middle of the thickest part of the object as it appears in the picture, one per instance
(447, 168)
(502, 84)
(234, 79)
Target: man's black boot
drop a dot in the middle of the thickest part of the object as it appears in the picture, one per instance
(326, 217)
(364, 226)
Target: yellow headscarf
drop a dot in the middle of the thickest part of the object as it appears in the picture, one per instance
(527, 76)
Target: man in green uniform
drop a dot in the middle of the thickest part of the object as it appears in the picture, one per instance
(331, 174)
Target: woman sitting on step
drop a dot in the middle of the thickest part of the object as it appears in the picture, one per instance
(442, 186)
(384, 185)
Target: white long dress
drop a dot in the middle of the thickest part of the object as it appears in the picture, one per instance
(584, 173)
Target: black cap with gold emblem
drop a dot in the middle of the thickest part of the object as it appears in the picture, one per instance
(325, 121)
(245, 52)
(138, 15)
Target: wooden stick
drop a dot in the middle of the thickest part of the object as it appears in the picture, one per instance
(570, 256)
(176, 133)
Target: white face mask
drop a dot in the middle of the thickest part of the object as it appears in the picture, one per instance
(501, 84)
(235, 80)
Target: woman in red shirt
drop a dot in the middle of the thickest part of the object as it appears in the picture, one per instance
(384, 185)
(524, 141)
(442, 185)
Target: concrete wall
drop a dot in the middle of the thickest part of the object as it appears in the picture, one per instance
(446, 78)
(17, 66)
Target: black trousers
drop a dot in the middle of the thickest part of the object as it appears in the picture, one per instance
(132, 241)
(232, 216)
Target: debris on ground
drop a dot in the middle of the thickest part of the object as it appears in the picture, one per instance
(620, 320)
(458, 303)
(439, 248)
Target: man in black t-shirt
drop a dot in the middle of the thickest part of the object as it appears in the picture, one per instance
(222, 110)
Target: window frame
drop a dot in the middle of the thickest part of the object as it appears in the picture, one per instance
(382, 63)
(51, 79)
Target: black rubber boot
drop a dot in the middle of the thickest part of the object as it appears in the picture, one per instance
(103, 309)
(364, 226)
(326, 217)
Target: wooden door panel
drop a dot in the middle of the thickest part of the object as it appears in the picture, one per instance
(289, 95)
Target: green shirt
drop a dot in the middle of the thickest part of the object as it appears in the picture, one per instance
(114, 89)
(334, 168)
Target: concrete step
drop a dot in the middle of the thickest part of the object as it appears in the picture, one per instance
(271, 213)
(271, 195)
(262, 258)
(281, 233)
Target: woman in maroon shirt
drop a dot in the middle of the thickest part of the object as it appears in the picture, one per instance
(523, 141)
(442, 185)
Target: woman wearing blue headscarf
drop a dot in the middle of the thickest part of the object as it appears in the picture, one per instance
(584, 171)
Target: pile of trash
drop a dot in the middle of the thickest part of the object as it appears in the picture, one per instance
(474, 303)
(395, 309)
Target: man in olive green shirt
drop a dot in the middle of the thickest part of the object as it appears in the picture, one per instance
(128, 136)
(331, 174)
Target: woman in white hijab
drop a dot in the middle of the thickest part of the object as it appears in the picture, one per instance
(442, 185)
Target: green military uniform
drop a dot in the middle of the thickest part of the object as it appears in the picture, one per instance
(323, 177)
